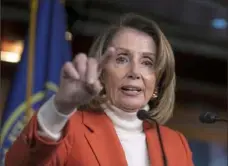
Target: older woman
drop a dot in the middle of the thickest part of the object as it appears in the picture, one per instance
(130, 67)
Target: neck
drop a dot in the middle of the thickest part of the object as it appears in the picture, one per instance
(123, 120)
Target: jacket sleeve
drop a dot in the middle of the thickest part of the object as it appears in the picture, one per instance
(187, 150)
(30, 149)
(51, 122)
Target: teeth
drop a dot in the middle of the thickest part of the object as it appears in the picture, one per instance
(131, 89)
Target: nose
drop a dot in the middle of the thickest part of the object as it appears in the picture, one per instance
(134, 72)
(133, 76)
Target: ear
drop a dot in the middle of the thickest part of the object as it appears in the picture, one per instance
(154, 101)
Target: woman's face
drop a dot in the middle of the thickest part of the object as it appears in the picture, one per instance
(129, 75)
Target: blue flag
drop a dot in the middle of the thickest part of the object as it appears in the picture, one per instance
(51, 52)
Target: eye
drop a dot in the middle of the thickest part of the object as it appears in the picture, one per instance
(121, 59)
(148, 63)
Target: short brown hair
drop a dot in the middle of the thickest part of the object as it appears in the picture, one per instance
(161, 108)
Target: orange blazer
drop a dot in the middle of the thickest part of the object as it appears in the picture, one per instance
(89, 139)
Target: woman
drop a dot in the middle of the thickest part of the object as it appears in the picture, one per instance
(130, 67)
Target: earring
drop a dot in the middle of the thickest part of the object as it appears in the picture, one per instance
(155, 94)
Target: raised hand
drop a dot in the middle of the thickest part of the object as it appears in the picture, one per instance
(79, 82)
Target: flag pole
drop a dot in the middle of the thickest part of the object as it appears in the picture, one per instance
(68, 34)
(31, 52)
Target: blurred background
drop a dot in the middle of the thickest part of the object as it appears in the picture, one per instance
(198, 32)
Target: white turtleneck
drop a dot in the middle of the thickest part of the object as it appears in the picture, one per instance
(128, 127)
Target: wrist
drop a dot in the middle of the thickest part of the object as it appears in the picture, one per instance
(63, 106)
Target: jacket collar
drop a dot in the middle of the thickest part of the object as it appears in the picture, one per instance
(106, 146)
(153, 144)
(103, 139)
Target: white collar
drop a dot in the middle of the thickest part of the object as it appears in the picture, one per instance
(122, 120)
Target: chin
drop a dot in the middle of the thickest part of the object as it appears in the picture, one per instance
(132, 105)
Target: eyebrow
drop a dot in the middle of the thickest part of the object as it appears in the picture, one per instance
(122, 49)
(145, 54)
(152, 58)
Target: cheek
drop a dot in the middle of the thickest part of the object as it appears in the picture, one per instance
(149, 76)
(110, 82)
(150, 82)
(112, 79)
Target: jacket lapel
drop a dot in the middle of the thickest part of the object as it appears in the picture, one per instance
(154, 149)
(103, 139)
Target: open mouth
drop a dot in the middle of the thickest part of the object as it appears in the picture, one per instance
(130, 88)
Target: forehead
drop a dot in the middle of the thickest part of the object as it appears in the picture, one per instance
(134, 40)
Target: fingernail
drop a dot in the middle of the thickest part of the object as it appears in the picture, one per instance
(111, 49)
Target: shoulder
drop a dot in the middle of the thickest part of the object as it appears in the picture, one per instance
(172, 134)
(176, 138)
(169, 131)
